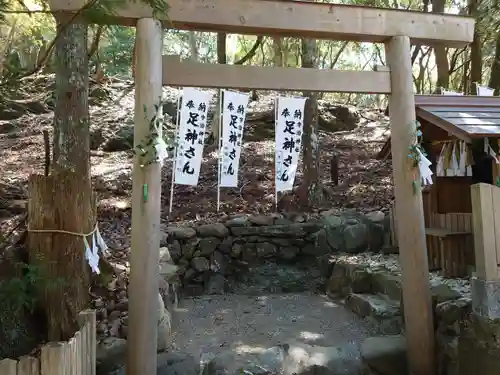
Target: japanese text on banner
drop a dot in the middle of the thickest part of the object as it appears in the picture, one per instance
(233, 122)
(191, 135)
(289, 126)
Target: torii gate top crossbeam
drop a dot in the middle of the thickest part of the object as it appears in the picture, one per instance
(298, 19)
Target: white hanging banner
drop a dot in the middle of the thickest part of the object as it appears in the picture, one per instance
(234, 108)
(484, 91)
(289, 117)
(191, 135)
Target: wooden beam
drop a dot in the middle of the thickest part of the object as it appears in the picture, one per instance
(188, 73)
(298, 19)
(409, 212)
(146, 206)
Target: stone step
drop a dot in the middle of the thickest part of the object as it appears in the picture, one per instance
(382, 312)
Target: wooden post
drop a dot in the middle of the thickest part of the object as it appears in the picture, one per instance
(409, 212)
(485, 218)
(29, 366)
(143, 286)
(8, 367)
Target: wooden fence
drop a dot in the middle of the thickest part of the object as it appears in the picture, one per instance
(74, 357)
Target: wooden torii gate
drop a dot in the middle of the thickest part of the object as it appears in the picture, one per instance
(395, 28)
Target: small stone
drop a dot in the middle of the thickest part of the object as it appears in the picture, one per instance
(236, 250)
(226, 245)
(102, 328)
(115, 315)
(288, 252)
(181, 233)
(239, 221)
(165, 255)
(218, 262)
(375, 216)
(356, 238)
(98, 303)
(208, 245)
(266, 250)
(122, 305)
(190, 273)
(189, 248)
(261, 220)
(200, 264)
(218, 230)
(115, 328)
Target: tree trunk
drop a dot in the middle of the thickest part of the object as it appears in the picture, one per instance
(193, 46)
(278, 51)
(310, 188)
(71, 204)
(476, 63)
(441, 53)
(494, 81)
(71, 113)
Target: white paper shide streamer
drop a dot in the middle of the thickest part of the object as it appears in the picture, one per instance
(424, 168)
(234, 109)
(484, 91)
(289, 125)
(190, 137)
(92, 250)
(449, 92)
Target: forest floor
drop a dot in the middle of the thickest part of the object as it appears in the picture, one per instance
(365, 183)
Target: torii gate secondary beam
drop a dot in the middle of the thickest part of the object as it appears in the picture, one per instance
(299, 19)
(194, 74)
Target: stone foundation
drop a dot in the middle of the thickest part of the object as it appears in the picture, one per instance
(467, 342)
(212, 257)
(486, 298)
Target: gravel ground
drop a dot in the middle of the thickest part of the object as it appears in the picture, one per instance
(213, 324)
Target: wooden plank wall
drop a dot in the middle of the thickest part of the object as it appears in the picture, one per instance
(455, 221)
(74, 357)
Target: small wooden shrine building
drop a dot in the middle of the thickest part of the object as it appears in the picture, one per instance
(461, 136)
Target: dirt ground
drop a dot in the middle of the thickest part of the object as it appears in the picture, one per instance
(246, 323)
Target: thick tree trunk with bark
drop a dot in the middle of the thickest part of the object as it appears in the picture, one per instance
(71, 113)
(494, 81)
(64, 200)
(441, 53)
(310, 188)
(476, 55)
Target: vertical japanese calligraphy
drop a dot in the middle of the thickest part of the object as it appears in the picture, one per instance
(191, 135)
(289, 117)
(234, 107)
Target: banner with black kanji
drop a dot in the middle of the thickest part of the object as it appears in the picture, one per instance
(289, 117)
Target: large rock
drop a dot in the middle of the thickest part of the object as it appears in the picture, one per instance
(181, 233)
(381, 312)
(385, 355)
(164, 326)
(218, 230)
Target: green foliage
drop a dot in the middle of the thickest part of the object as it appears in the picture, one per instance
(20, 294)
(147, 150)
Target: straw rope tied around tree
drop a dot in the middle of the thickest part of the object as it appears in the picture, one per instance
(91, 252)
(420, 163)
